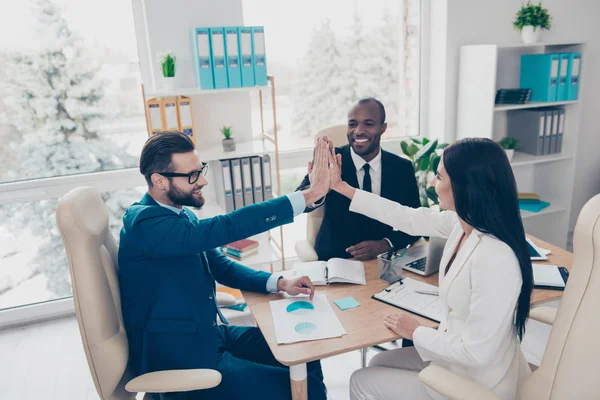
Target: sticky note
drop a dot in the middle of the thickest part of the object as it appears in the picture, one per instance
(346, 303)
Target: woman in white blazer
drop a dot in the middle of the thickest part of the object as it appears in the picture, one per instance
(485, 278)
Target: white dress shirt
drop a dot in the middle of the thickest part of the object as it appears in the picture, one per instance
(375, 171)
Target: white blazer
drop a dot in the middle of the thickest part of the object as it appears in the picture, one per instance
(476, 337)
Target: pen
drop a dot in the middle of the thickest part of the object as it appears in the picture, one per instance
(389, 253)
(430, 292)
(405, 250)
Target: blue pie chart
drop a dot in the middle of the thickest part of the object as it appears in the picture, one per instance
(305, 328)
(300, 307)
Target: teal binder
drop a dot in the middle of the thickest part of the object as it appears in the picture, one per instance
(260, 59)
(232, 57)
(561, 87)
(533, 207)
(202, 60)
(539, 72)
(573, 73)
(245, 42)
(217, 47)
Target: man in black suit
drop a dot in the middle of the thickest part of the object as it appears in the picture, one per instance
(366, 166)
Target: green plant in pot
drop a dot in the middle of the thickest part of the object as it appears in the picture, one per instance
(530, 19)
(509, 144)
(425, 157)
(228, 141)
(167, 65)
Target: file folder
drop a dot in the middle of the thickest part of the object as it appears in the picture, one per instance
(232, 59)
(548, 130)
(260, 59)
(247, 182)
(561, 130)
(552, 142)
(529, 126)
(236, 177)
(169, 114)
(561, 94)
(225, 191)
(217, 47)
(154, 119)
(186, 117)
(202, 59)
(573, 74)
(245, 38)
(257, 179)
(539, 72)
(266, 177)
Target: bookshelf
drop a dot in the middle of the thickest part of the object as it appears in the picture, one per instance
(483, 69)
(165, 26)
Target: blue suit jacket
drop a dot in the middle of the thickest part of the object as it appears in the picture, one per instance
(166, 292)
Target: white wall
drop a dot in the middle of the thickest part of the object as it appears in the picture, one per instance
(486, 21)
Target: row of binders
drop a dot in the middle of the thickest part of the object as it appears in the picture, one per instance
(243, 181)
(551, 77)
(170, 114)
(540, 131)
(229, 57)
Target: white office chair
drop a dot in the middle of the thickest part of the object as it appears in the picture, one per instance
(305, 249)
(569, 367)
(82, 219)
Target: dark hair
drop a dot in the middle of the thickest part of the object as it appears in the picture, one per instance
(366, 100)
(157, 152)
(485, 197)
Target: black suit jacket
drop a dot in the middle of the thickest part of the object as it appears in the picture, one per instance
(342, 228)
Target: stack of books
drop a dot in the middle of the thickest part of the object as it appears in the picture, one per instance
(240, 249)
(531, 202)
(513, 96)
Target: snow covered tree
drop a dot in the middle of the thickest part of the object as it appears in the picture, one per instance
(319, 89)
(53, 96)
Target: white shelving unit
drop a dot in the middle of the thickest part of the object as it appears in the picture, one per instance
(483, 69)
(162, 26)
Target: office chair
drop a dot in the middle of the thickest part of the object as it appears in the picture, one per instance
(82, 219)
(568, 367)
(305, 249)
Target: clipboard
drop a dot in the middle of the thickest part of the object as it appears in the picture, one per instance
(429, 306)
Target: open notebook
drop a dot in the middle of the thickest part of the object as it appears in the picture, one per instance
(549, 276)
(403, 294)
(336, 270)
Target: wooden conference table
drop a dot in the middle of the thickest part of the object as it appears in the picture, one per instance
(364, 325)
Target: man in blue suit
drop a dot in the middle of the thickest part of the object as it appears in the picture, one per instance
(169, 264)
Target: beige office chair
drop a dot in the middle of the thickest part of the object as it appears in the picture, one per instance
(82, 219)
(305, 249)
(569, 367)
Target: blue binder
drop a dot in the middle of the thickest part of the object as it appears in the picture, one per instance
(245, 42)
(260, 59)
(217, 47)
(232, 57)
(202, 60)
(573, 76)
(539, 72)
(561, 87)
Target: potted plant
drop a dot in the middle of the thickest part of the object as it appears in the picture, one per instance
(530, 19)
(167, 64)
(509, 144)
(425, 157)
(228, 141)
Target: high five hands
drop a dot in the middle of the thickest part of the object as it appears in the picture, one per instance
(325, 169)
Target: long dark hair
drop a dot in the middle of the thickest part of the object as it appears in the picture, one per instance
(485, 197)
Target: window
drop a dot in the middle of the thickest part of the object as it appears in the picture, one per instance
(70, 105)
(327, 55)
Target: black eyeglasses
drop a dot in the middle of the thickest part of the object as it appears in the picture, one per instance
(192, 176)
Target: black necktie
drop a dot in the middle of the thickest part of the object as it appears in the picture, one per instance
(367, 179)
(204, 260)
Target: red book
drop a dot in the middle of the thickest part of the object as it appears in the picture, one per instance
(243, 245)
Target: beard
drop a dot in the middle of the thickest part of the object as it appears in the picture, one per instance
(182, 198)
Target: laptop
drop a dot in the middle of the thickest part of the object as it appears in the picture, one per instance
(424, 260)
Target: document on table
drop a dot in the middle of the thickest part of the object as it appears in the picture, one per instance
(299, 319)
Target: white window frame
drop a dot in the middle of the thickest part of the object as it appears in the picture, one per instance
(56, 187)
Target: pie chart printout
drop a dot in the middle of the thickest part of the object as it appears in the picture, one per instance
(300, 308)
(305, 328)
